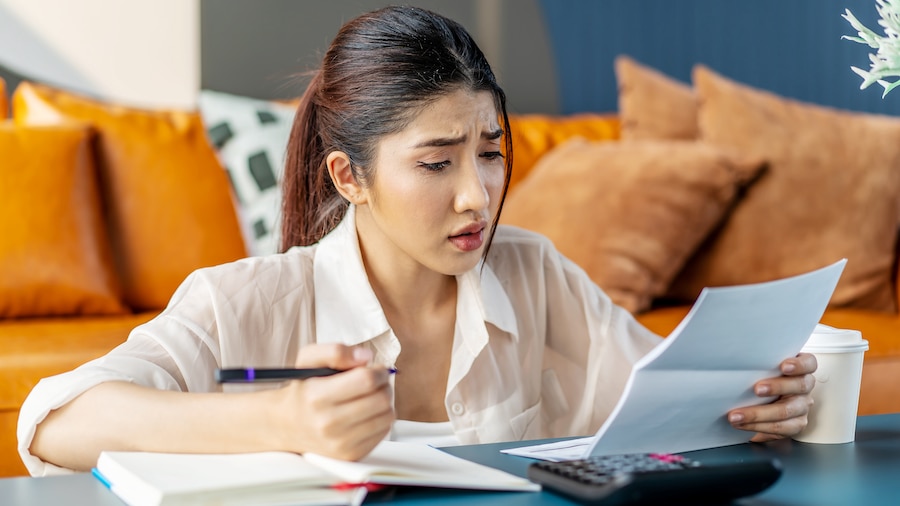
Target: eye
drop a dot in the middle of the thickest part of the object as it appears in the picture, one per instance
(435, 167)
(492, 155)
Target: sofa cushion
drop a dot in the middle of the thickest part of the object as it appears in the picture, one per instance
(629, 213)
(831, 192)
(250, 137)
(168, 202)
(533, 135)
(653, 105)
(54, 253)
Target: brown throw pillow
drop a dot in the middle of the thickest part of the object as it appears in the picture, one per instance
(169, 203)
(54, 254)
(653, 105)
(629, 213)
(830, 192)
(533, 135)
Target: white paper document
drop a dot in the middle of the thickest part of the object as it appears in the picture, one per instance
(677, 396)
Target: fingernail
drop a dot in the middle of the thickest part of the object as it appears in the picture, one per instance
(362, 354)
(763, 390)
(735, 418)
(788, 368)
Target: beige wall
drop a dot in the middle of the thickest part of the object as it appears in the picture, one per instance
(141, 52)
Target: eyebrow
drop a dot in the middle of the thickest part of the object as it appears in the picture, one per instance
(452, 141)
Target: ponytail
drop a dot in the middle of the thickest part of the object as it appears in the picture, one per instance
(311, 206)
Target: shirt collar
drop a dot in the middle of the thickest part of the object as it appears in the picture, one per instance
(348, 312)
(483, 287)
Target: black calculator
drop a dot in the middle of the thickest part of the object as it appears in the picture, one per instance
(654, 478)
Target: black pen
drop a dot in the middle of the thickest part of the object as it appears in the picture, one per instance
(256, 375)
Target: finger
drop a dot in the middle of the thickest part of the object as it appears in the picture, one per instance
(329, 391)
(365, 437)
(337, 356)
(762, 437)
(352, 437)
(785, 385)
(785, 417)
(360, 409)
(803, 363)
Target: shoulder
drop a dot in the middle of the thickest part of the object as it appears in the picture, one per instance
(297, 259)
(514, 244)
(265, 273)
(511, 237)
(522, 256)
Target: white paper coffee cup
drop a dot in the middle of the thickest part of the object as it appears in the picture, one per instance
(832, 417)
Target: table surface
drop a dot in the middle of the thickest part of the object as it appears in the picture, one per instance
(866, 471)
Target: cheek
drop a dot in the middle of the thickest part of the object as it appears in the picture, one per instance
(405, 196)
(493, 183)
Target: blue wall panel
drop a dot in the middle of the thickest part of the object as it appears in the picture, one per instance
(790, 47)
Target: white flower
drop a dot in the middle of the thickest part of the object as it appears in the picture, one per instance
(886, 60)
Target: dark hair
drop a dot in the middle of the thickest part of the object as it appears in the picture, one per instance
(381, 68)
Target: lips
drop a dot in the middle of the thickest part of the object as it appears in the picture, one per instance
(469, 238)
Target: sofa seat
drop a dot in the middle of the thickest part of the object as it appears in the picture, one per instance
(880, 390)
(36, 348)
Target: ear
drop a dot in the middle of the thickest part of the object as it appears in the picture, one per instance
(339, 169)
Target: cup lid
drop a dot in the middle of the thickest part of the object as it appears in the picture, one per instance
(826, 339)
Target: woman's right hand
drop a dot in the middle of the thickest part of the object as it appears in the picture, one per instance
(342, 416)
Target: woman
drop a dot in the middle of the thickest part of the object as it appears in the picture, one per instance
(394, 181)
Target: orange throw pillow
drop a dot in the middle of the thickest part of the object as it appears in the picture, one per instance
(653, 105)
(169, 204)
(4, 100)
(533, 135)
(54, 254)
(629, 213)
(831, 192)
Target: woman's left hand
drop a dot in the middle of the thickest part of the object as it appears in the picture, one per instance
(787, 415)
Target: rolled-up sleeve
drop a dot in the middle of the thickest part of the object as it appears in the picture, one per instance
(249, 312)
(150, 357)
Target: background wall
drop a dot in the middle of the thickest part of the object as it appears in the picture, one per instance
(791, 47)
(138, 52)
(160, 52)
(550, 55)
(258, 48)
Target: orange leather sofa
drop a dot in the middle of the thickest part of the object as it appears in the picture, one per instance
(164, 205)
(90, 257)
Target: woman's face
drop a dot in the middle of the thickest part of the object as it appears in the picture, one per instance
(437, 186)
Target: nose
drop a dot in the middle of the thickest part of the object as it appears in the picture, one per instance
(472, 193)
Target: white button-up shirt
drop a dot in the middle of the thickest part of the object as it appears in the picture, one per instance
(538, 350)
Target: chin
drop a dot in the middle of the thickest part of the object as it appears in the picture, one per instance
(460, 265)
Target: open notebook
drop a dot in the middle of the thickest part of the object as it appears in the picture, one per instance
(281, 478)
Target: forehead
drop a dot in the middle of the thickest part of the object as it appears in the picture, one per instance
(458, 113)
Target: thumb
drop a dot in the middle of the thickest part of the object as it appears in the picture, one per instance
(336, 356)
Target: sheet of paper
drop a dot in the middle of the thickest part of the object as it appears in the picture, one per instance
(678, 394)
(559, 451)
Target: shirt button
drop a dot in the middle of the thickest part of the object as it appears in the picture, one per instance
(457, 408)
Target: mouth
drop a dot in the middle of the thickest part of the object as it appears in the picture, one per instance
(469, 238)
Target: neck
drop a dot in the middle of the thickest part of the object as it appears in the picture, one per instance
(403, 286)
